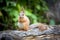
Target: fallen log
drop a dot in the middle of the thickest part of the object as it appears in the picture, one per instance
(31, 34)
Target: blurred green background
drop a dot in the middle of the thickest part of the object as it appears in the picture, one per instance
(34, 9)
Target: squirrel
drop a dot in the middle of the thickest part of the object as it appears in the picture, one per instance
(41, 26)
(23, 21)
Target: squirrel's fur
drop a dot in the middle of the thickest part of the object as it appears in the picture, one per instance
(23, 21)
(40, 26)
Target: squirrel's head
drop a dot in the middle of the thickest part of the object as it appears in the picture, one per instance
(22, 13)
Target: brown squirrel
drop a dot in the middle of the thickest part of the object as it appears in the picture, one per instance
(40, 26)
(23, 21)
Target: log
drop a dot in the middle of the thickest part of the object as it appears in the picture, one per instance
(53, 33)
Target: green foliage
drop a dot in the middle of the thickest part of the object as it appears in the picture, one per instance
(52, 22)
(32, 17)
(34, 9)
